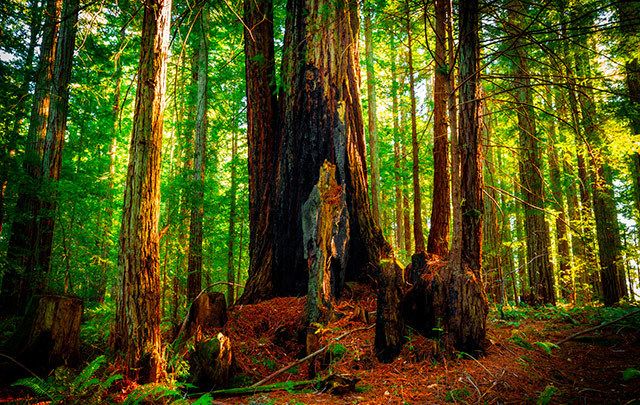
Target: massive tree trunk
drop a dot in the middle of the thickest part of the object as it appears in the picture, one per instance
(539, 266)
(136, 333)
(438, 242)
(321, 120)
(467, 302)
(263, 141)
(418, 233)
(633, 85)
(194, 269)
(374, 160)
(56, 128)
(22, 277)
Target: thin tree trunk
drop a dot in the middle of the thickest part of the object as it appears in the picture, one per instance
(22, 277)
(56, 128)
(438, 241)
(541, 278)
(374, 160)
(136, 333)
(456, 242)
(400, 229)
(604, 209)
(194, 268)
(232, 220)
(418, 233)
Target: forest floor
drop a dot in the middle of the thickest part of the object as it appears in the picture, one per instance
(522, 363)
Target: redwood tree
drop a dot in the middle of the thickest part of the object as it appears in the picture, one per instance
(136, 333)
(467, 302)
(262, 136)
(321, 119)
(438, 241)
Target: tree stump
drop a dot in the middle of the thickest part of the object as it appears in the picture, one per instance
(325, 229)
(210, 362)
(49, 334)
(389, 322)
(208, 312)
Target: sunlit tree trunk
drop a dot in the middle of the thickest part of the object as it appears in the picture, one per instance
(400, 229)
(56, 128)
(232, 221)
(541, 277)
(194, 268)
(438, 241)
(136, 334)
(372, 115)
(22, 277)
(467, 312)
(418, 233)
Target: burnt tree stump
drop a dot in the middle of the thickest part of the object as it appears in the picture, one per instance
(325, 229)
(211, 362)
(207, 313)
(50, 332)
(389, 321)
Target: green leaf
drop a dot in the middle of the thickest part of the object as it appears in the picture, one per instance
(547, 346)
(630, 374)
(546, 395)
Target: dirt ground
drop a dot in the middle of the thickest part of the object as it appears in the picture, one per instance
(521, 364)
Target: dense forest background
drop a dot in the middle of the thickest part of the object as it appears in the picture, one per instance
(559, 100)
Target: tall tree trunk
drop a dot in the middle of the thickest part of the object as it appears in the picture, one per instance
(321, 120)
(438, 242)
(456, 242)
(374, 160)
(539, 266)
(232, 220)
(9, 144)
(22, 278)
(400, 229)
(136, 333)
(466, 323)
(567, 286)
(604, 209)
(263, 142)
(418, 233)
(194, 269)
(56, 128)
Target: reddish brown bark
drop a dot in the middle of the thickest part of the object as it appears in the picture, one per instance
(136, 333)
(322, 120)
(23, 278)
(262, 135)
(418, 233)
(438, 241)
(467, 303)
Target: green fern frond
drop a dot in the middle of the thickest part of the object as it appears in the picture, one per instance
(37, 385)
(85, 379)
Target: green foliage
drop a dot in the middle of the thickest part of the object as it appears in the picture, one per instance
(630, 374)
(62, 387)
(337, 351)
(546, 395)
(458, 394)
(151, 393)
(520, 340)
(547, 346)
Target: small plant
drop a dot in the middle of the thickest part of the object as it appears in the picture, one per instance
(337, 351)
(519, 339)
(457, 395)
(62, 387)
(630, 374)
(547, 346)
(151, 393)
(546, 395)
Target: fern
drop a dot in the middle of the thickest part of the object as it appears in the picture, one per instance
(85, 379)
(630, 374)
(150, 393)
(547, 346)
(38, 386)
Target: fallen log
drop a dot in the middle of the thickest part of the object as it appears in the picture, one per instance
(602, 325)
